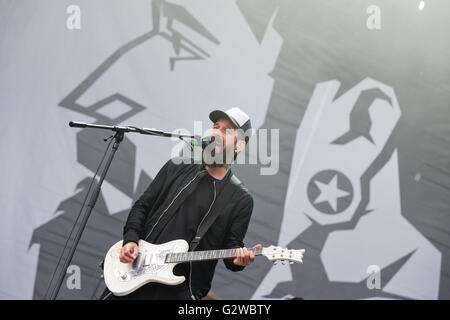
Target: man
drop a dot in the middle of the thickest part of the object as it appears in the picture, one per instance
(182, 198)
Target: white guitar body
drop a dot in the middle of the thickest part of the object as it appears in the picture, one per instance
(150, 266)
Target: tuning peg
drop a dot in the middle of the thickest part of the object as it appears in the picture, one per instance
(275, 262)
(282, 262)
(291, 262)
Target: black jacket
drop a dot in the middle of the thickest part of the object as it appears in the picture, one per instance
(168, 190)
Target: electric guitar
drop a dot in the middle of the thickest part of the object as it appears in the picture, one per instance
(155, 263)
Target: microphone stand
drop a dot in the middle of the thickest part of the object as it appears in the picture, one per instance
(118, 136)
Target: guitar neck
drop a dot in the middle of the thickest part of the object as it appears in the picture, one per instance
(206, 255)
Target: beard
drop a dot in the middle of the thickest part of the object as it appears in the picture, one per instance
(220, 158)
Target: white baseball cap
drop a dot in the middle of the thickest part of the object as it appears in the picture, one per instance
(238, 117)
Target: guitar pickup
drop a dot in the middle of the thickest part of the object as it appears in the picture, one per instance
(147, 260)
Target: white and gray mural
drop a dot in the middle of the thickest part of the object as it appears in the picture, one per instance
(363, 118)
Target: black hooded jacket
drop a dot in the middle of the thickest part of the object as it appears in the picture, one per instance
(169, 189)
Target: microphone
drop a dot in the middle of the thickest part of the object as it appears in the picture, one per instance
(204, 142)
(207, 141)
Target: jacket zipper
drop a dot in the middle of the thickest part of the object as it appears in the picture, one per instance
(190, 262)
(171, 204)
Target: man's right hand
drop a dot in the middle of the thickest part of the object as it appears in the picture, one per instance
(129, 252)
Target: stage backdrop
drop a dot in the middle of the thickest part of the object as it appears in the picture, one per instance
(358, 89)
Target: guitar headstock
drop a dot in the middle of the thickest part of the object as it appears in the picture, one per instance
(276, 254)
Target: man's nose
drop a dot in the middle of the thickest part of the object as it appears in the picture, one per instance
(219, 139)
(215, 133)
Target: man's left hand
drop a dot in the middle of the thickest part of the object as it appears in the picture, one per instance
(245, 257)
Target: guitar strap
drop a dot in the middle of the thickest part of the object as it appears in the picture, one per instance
(224, 197)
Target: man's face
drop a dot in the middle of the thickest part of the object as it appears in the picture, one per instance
(226, 135)
(225, 129)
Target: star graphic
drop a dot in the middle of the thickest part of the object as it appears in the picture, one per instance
(330, 192)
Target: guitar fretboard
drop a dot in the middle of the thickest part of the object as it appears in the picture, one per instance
(206, 255)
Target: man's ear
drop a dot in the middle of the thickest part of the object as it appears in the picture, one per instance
(240, 146)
